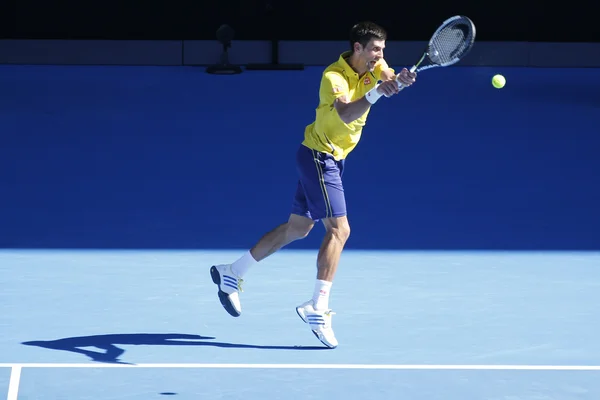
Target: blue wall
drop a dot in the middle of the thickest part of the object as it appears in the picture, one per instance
(169, 157)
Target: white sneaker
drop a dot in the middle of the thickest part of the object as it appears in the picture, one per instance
(229, 287)
(320, 323)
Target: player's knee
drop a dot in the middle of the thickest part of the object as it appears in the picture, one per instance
(341, 232)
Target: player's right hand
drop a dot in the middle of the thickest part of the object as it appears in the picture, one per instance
(388, 88)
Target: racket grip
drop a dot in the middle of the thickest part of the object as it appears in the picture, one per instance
(400, 86)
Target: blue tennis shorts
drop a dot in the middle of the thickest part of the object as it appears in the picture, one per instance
(320, 193)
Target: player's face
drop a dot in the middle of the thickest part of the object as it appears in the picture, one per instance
(372, 53)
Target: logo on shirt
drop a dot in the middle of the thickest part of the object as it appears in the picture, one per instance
(337, 89)
(367, 81)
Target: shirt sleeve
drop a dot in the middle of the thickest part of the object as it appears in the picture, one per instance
(333, 86)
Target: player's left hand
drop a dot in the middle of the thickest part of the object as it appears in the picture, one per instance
(406, 78)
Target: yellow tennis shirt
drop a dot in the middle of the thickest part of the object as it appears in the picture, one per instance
(328, 133)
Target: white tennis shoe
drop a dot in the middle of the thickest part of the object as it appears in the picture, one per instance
(319, 322)
(229, 285)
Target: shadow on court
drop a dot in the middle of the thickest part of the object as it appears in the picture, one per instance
(111, 352)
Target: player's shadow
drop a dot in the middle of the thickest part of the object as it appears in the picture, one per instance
(111, 352)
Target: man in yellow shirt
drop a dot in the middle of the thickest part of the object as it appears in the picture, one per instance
(349, 87)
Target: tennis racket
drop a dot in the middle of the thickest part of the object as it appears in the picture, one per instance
(448, 45)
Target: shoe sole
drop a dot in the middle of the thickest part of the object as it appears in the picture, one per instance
(223, 297)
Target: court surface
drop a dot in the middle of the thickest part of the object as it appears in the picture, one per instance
(419, 325)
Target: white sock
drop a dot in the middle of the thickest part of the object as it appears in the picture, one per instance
(321, 295)
(243, 264)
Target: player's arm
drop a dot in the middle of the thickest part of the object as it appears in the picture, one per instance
(387, 74)
(337, 93)
(405, 77)
(347, 110)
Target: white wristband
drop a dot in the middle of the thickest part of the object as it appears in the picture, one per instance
(373, 95)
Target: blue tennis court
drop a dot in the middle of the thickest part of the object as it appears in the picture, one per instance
(433, 331)
(472, 270)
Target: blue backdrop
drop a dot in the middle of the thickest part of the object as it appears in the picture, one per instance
(170, 157)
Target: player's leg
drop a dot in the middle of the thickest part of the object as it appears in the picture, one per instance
(297, 227)
(229, 277)
(337, 231)
(326, 199)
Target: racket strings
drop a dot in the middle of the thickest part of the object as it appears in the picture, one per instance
(450, 42)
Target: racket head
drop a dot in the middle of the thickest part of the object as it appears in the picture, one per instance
(449, 44)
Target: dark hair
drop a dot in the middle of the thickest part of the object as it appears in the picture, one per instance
(364, 32)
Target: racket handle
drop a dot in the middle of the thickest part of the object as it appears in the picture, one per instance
(400, 87)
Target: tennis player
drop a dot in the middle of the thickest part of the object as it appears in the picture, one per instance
(348, 89)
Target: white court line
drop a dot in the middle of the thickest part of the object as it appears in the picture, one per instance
(317, 366)
(13, 386)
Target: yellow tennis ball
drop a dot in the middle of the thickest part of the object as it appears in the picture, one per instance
(498, 81)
